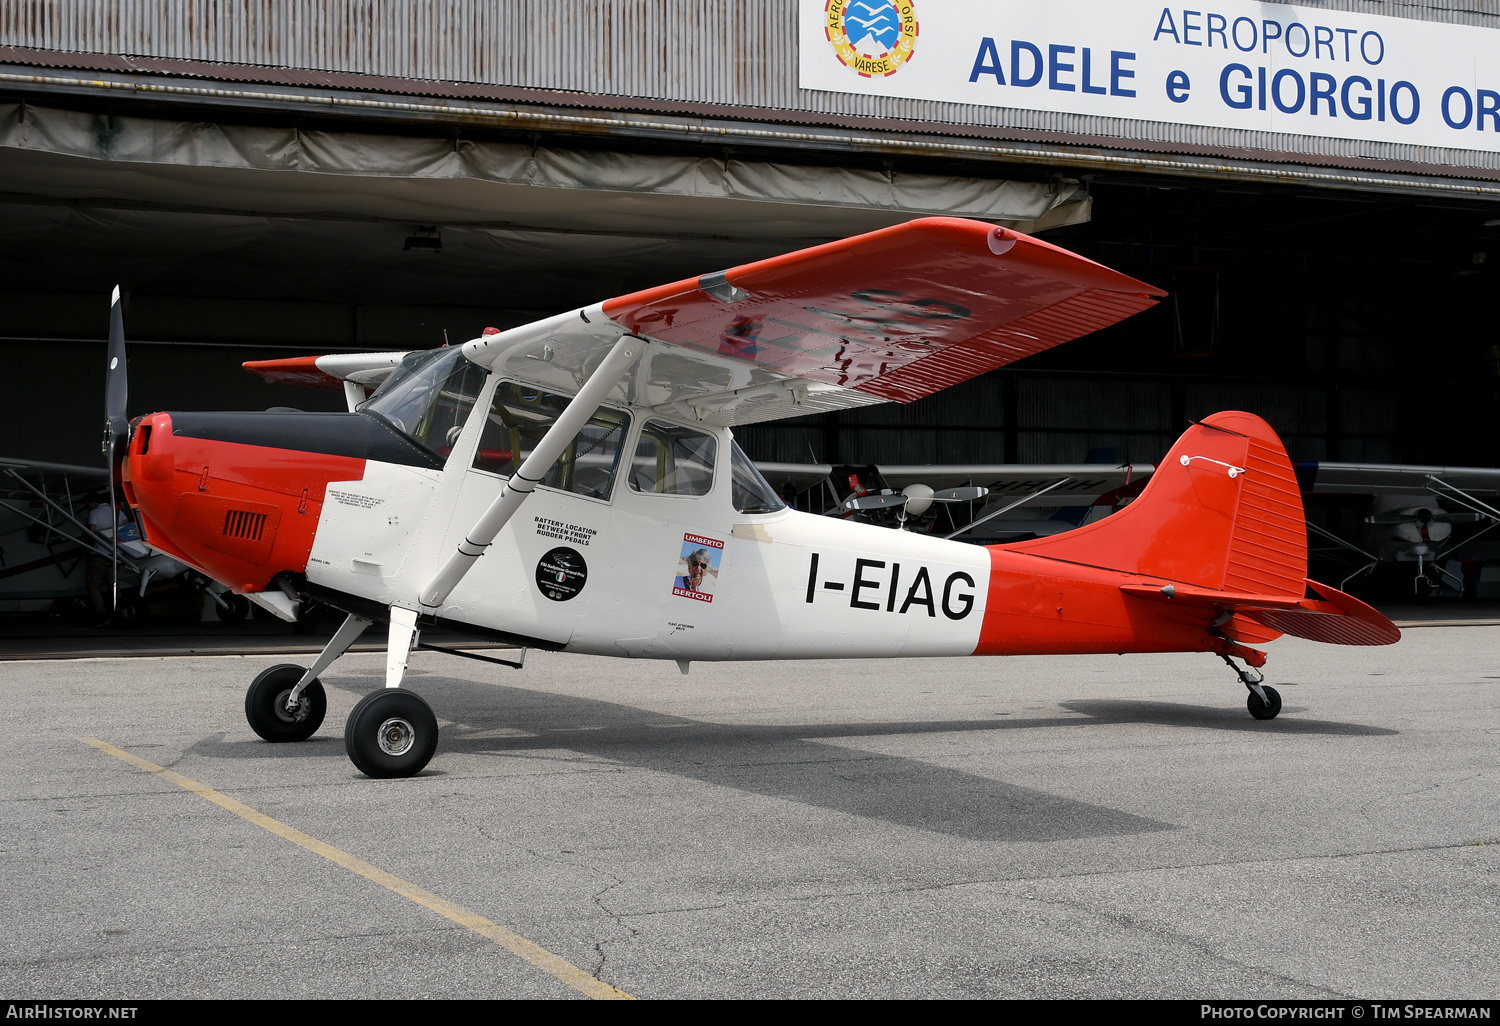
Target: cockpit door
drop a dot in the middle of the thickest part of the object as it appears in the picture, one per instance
(535, 579)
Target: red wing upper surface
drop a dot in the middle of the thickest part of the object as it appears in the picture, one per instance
(898, 313)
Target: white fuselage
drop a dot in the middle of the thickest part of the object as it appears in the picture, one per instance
(622, 589)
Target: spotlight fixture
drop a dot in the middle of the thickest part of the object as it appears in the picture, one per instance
(425, 237)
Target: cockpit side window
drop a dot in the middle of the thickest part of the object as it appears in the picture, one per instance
(428, 397)
(518, 418)
(673, 460)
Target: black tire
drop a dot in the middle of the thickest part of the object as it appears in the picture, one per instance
(391, 733)
(1260, 710)
(265, 705)
(234, 609)
(131, 612)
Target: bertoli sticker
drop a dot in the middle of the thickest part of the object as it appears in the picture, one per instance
(698, 568)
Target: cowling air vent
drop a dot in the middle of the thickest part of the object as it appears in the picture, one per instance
(242, 523)
(235, 526)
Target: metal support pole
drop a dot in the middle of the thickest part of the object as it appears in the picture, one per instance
(352, 628)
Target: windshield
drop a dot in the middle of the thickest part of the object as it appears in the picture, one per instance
(751, 492)
(429, 397)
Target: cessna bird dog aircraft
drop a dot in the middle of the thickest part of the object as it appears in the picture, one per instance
(573, 484)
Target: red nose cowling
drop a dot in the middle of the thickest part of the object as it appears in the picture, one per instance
(241, 513)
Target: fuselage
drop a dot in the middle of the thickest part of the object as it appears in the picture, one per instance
(343, 507)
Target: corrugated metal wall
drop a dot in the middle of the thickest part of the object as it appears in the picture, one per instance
(728, 52)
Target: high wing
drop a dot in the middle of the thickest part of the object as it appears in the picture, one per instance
(1066, 484)
(1079, 484)
(95, 476)
(895, 314)
(1396, 480)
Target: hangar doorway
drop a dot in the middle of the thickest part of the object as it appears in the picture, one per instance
(1356, 322)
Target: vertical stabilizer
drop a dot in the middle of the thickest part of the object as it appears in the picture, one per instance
(1222, 511)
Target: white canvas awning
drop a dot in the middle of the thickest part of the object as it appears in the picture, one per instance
(288, 171)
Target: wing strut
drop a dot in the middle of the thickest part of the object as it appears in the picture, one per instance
(531, 472)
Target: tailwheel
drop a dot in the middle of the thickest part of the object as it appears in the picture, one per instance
(267, 710)
(391, 733)
(1264, 701)
(1267, 709)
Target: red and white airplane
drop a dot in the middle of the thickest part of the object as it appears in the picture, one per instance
(574, 484)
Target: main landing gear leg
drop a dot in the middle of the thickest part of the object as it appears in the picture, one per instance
(286, 702)
(1264, 701)
(393, 732)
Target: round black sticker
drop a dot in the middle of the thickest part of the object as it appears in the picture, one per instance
(561, 574)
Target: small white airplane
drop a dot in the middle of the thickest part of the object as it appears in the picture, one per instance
(911, 497)
(1412, 512)
(574, 484)
(47, 544)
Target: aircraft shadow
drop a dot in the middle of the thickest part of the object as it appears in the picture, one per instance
(1172, 714)
(791, 762)
(786, 762)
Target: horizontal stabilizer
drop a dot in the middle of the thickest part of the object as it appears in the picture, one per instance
(365, 369)
(1334, 619)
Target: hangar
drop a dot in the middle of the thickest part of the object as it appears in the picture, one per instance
(278, 177)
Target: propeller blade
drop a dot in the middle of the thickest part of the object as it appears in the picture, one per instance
(115, 384)
(1391, 518)
(116, 427)
(1458, 518)
(114, 533)
(875, 502)
(960, 494)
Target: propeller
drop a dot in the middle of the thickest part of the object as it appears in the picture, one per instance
(116, 425)
(863, 502)
(971, 494)
(916, 498)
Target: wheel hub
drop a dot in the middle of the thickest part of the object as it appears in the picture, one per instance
(294, 714)
(396, 736)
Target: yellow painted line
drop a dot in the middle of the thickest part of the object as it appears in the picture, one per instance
(517, 945)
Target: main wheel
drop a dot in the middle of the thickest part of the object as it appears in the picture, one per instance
(131, 612)
(265, 704)
(391, 733)
(1260, 710)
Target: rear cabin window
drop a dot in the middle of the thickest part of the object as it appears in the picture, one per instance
(673, 460)
(518, 418)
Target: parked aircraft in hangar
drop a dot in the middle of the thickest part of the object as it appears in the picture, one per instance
(1408, 512)
(574, 484)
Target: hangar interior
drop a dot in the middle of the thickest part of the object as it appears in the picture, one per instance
(1359, 323)
(260, 209)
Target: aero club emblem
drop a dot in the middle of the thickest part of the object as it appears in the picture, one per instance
(872, 37)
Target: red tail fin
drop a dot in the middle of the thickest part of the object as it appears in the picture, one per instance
(1223, 511)
(1222, 519)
